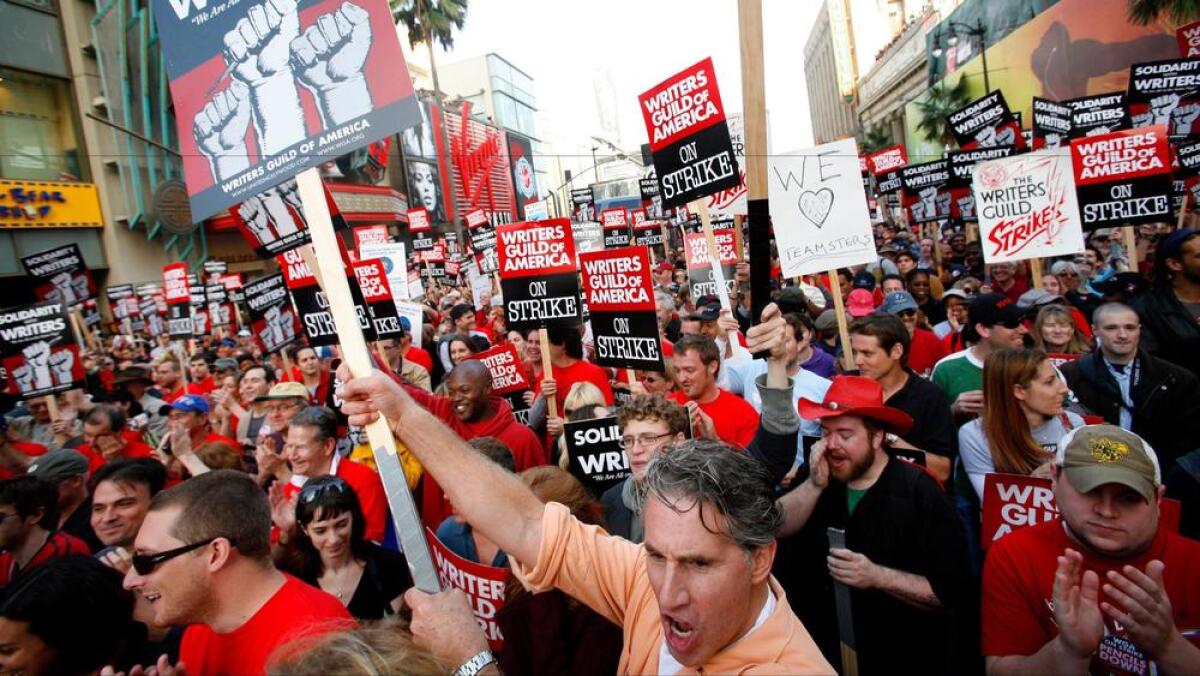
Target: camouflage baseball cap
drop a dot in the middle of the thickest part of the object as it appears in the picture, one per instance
(1094, 455)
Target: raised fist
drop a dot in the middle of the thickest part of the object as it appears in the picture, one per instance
(1141, 120)
(1184, 117)
(290, 192)
(1006, 136)
(23, 375)
(62, 284)
(37, 357)
(986, 137)
(255, 216)
(61, 363)
(220, 130)
(1053, 140)
(287, 326)
(1096, 131)
(928, 197)
(918, 211)
(257, 47)
(966, 207)
(278, 213)
(1161, 108)
(79, 285)
(943, 204)
(329, 58)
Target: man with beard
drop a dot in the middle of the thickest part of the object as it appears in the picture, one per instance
(1171, 311)
(905, 556)
(202, 558)
(471, 410)
(316, 378)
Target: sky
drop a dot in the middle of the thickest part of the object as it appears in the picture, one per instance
(562, 43)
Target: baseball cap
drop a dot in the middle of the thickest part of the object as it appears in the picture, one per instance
(826, 320)
(897, 302)
(953, 293)
(664, 266)
(190, 403)
(227, 342)
(860, 303)
(864, 280)
(288, 390)
(226, 364)
(59, 464)
(458, 311)
(991, 309)
(1094, 455)
(1037, 298)
(244, 333)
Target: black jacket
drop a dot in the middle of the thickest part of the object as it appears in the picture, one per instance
(1166, 401)
(1168, 330)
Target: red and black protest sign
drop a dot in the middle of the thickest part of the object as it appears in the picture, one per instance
(583, 205)
(369, 235)
(651, 199)
(484, 586)
(122, 300)
(214, 268)
(986, 122)
(537, 273)
(1123, 178)
(700, 275)
(962, 163)
(38, 350)
(1166, 93)
(1012, 501)
(220, 310)
(616, 228)
(233, 285)
(926, 196)
(312, 306)
(62, 274)
(1051, 123)
(433, 261)
(1187, 173)
(503, 362)
(1099, 114)
(273, 221)
(594, 453)
(1188, 38)
(272, 319)
(483, 235)
(693, 153)
(377, 293)
(646, 232)
(178, 296)
(619, 294)
(887, 160)
(418, 220)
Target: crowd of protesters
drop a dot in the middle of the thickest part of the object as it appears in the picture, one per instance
(214, 509)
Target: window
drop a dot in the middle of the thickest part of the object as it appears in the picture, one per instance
(38, 138)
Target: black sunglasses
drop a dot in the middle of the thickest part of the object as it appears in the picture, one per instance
(145, 564)
(313, 490)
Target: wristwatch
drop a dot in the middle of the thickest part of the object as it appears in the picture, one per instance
(475, 664)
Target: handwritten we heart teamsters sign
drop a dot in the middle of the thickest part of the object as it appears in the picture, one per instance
(819, 209)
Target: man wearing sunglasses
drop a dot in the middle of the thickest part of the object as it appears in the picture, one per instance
(202, 559)
(993, 323)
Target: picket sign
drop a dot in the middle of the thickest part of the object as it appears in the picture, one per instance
(839, 306)
(328, 258)
(700, 207)
(547, 369)
(1035, 271)
(754, 119)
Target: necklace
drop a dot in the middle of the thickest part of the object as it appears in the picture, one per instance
(339, 578)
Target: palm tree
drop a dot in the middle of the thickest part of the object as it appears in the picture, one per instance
(937, 106)
(1179, 12)
(876, 138)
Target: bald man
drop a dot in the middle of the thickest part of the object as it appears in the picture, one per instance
(472, 410)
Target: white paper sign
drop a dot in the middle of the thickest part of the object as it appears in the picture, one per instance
(819, 209)
(480, 284)
(394, 264)
(1027, 207)
(415, 314)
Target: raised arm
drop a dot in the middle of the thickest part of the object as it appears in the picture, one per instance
(495, 502)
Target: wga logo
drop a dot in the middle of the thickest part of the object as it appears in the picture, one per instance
(183, 7)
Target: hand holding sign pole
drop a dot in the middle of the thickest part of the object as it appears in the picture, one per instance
(358, 359)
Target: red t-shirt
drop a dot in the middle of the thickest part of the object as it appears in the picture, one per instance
(924, 351)
(371, 496)
(192, 388)
(133, 449)
(295, 611)
(59, 544)
(28, 448)
(580, 371)
(1018, 591)
(735, 419)
(202, 387)
(420, 357)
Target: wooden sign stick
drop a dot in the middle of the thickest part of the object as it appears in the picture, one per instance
(287, 362)
(835, 290)
(714, 260)
(754, 111)
(1183, 207)
(548, 371)
(1130, 237)
(409, 530)
(1035, 271)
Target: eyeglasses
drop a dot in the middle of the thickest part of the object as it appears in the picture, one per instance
(286, 406)
(145, 564)
(644, 440)
(313, 490)
(1011, 324)
(907, 313)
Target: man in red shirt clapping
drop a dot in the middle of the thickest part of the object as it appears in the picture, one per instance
(711, 409)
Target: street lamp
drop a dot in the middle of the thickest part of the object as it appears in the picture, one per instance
(976, 31)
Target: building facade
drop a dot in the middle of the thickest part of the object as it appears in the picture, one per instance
(829, 74)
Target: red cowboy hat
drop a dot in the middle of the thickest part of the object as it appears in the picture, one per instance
(857, 396)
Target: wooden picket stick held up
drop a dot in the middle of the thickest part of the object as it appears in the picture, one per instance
(754, 112)
(548, 371)
(1035, 271)
(1130, 241)
(839, 306)
(714, 260)
(409, 530)
(287, 361)
(1183, 207)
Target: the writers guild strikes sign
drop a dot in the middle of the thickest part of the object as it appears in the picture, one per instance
(418, 220)
(700, 275)
(1123, 178)
(537, 273)
(986, 122)
(1027, 207)
(178, 296)
(819, 209)
(483, 585)
(962, 163)
(1051, 124)
(312, 306)
(504, 364)
(272, 221)
(1188, 38)
(926, 196)
(38, 350)
(620, 301)
(693, 154)
(595, 454)
(616, 228)
(271, 316)
(1166, 93)
(264, 90)
(1099, 114)
(63, 273)
(381, 305)
(886, 160)
(1012, 501)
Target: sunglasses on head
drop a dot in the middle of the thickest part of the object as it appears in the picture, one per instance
(313, 490)
(145, 564)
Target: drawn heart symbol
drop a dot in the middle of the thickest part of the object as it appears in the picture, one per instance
(816, 205)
